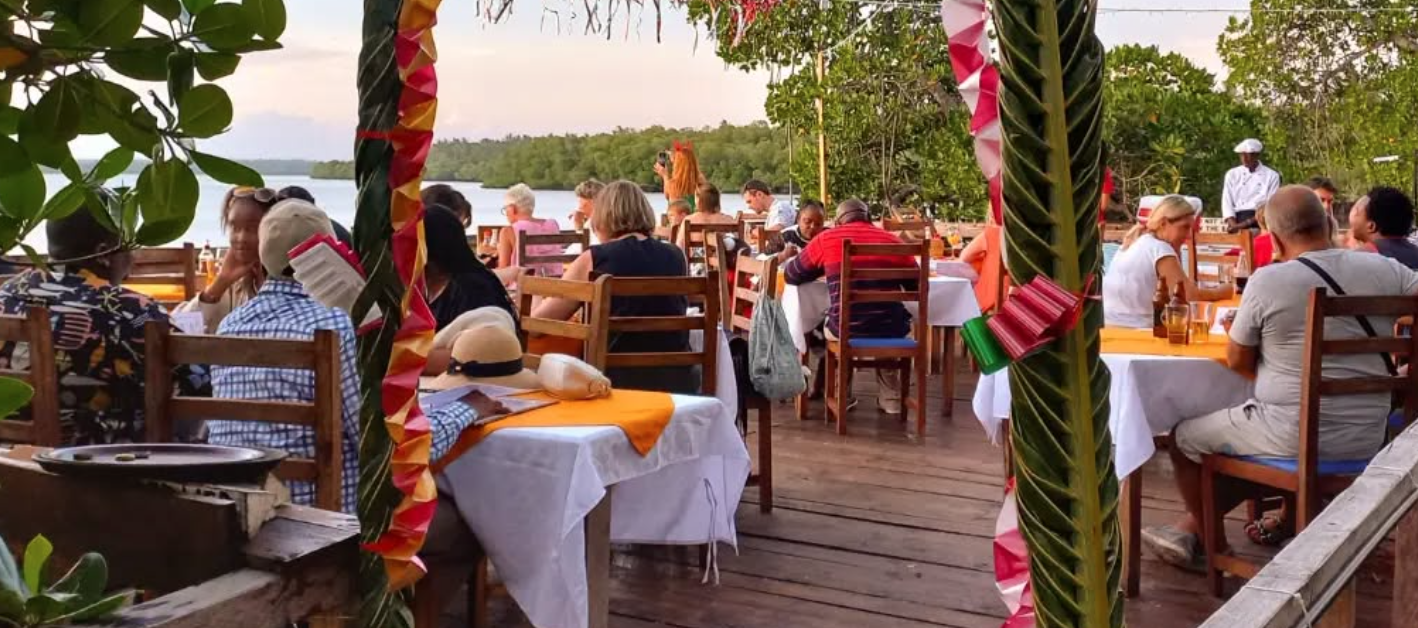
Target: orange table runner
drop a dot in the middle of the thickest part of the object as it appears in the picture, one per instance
(642, 415)
(165, 292)
(1141, 342)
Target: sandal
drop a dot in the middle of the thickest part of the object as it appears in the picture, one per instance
(1269, 531)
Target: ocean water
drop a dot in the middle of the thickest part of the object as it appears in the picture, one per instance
(337, 198)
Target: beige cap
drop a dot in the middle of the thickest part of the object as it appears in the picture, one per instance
(289, 224)
(487, 354)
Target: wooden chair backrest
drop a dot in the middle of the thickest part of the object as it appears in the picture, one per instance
(487, 233)
(1239, 240)
(42, 428)
(753, 278)
(852, 295)
(1115, 233)
(167, 265)
(321, 354)
(1313, 385)
(707, 320)
(590, 325)
(917, 228)
(752, 229)
(563, 240)
(716, 258)
(695, 238)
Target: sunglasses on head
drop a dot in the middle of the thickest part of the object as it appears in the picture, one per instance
(261, 195)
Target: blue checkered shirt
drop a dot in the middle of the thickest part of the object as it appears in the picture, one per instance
(283, 310)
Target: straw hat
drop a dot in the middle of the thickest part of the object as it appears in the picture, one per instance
(565, 377)
(487, 354)
(486, 315)
(288, 225)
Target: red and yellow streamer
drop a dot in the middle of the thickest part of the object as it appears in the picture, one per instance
(411, 138)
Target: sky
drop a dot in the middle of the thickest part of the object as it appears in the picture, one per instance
(524, 76)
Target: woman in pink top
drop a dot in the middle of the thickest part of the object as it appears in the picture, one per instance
(519, 203)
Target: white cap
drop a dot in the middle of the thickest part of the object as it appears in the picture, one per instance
(1250, 145)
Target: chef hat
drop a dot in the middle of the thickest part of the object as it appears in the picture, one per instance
(1250, 145)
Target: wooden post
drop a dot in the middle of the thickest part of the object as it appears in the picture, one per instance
(821, 130)
(1405, 571)
(1343, 610)
(1131, 511)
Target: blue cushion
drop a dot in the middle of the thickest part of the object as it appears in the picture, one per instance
(1327, 467)
(882, 343)
(1395, 420)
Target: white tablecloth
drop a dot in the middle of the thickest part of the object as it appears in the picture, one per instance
(1149, 395)
(525, 492)
(726, 385)
(952, 302)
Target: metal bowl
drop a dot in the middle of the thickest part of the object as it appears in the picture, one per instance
(209, 464)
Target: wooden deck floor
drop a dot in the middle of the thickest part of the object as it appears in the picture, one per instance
(872, 530)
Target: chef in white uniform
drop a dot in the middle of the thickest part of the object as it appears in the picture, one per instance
(1247, 187)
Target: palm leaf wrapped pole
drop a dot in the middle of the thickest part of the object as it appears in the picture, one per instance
(397, 107)
(1051, 111)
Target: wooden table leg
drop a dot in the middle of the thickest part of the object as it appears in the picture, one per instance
(947, 372)
(1131, 511)
(598, 563)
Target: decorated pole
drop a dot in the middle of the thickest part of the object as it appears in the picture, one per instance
(397, 107)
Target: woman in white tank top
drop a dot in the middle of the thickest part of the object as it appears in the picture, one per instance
(1152, 251)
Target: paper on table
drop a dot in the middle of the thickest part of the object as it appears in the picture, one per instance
(1221, 313)
(189, 322)
(431, 400)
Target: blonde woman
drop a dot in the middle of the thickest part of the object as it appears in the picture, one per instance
(1152, 251)
(624, 222)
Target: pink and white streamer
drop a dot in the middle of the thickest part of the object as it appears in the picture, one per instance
(977, 79)
(1012, 564)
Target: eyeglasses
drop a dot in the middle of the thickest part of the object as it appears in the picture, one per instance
(262, 195)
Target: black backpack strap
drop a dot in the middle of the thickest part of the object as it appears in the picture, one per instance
(1363, 321)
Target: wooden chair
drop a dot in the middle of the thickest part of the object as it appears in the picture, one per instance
(752, 229)
(322, 354)
(845, 353)
(563, 240)
(707, 320)
(589, 329)
(1308, 479)
(754, 279)
(716, 258)
(914, 229)
(1226, 242)
(696, 235)
(42, 428)
(163, 266)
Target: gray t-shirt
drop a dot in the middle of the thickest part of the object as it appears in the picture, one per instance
(1272, 317)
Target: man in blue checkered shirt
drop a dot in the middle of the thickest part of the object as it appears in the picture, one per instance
(283, 310)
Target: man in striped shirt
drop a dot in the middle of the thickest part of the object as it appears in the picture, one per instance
(823, 256)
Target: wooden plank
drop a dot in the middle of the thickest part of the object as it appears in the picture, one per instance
(299, 534)
(240, 351)
(563, 329)
(246, 599)
(1342, 611)
(659, 286)
(1405, 576)
(656, 323)
(1370, 306)
(289, 412)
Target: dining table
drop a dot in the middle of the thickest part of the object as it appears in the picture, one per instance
(1154, 386)
(546, 502)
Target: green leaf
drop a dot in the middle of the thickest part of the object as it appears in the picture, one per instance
(14, 394)
(9, 120)
(46, 608)
(196, 7)
(225, 170)
(181, 70)
(103, 207)
(216, 65)
(102, 608)
(145, 58)
(167, 197)
(58, 110)
(36, 555)
(12, 604)
(257, 45)
(267, 17)
(87, 578)
(1051, 112)
(168, 9)
(71, 170)
(111, 165)
(205, 111)
(223, 27)
(65, 202)
(137, 131)
(21, 191)
(109, 22)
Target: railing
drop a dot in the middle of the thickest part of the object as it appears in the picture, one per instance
(1311, 582)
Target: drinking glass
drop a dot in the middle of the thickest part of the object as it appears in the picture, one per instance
(1202, 316)
(1175, 318)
